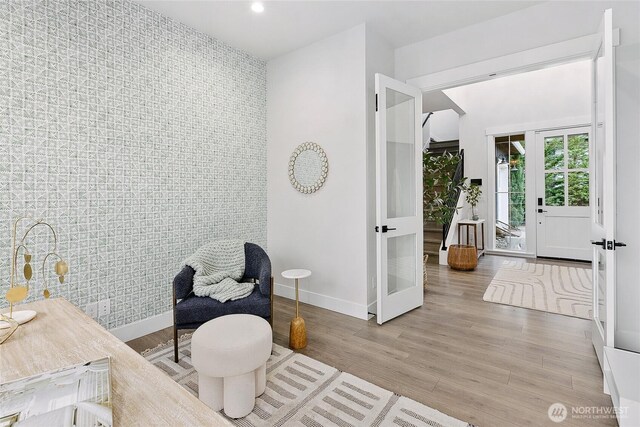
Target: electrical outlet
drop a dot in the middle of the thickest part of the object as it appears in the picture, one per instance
(104, 307)
(92, 309)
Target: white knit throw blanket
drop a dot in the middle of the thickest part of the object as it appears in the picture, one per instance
(219, 266)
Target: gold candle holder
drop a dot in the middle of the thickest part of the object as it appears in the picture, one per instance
(19, 292)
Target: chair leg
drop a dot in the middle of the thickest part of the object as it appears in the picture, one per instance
(175, 343)
(271, 302)
(175, 326)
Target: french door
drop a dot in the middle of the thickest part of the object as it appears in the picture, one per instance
(603, 196)
(399, 198)
(562, 182)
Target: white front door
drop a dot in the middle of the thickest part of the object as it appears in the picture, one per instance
(399, 198)
(562, 183)
(603, 190)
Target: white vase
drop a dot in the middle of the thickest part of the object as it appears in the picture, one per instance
(474, 213)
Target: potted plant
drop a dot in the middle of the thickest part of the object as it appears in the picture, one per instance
(439, 187)
(441, 192)
(473, 193)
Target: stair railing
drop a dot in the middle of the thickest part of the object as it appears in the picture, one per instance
(452, 200)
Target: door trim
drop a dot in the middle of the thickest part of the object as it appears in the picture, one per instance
(520, 62)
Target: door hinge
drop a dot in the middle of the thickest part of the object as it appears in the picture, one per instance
(376, 102)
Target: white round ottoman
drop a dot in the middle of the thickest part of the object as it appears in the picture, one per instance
(230, 354)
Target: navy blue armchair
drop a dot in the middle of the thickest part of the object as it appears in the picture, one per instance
(190, 311)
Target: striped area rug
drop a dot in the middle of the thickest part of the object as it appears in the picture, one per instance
(544, 287)
(303, 391)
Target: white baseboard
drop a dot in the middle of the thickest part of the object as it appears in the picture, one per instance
(143, 327)
(373, 307)
(323, 301)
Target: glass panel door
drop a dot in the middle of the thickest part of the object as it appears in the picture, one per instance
(562, 175)
(401, 165)
(510, 209)
(398, 197)
(603, 202)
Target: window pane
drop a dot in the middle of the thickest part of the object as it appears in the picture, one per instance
(554, 189)
(401, 200)
(502, 168)
(401, 266)
(517, 167)
(578, 188)
(517, 210)
(578, 151)
(554, 152)
(510, 218)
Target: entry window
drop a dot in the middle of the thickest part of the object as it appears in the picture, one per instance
(510, 158)
(566, 170)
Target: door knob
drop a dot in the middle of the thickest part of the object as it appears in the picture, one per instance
(602, 243)
(541, 211)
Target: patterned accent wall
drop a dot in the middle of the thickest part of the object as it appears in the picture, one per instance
(137, 137)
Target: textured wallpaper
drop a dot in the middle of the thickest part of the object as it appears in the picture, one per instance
(137, 137)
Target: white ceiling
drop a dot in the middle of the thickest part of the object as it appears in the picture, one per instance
(287, 25)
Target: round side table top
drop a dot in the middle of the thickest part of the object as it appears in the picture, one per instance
(297, 273)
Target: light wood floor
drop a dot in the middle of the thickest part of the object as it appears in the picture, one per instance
(485, 363)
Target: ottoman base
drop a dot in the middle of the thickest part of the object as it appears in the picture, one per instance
(211, 391)
(237, 395)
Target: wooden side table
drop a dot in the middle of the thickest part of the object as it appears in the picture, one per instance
(297, 330)
(472, 223)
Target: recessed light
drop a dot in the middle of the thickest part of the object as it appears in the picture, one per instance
(257, 7)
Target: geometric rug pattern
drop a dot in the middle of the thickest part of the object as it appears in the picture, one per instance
(544, 287)
(304, 391)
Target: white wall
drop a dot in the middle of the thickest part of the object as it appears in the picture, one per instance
(551, 94)
(540, 25)
(318, 93)
(444, 125)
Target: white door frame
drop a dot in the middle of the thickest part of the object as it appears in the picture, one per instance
(560, 53)
(529, 130)
(521, 62)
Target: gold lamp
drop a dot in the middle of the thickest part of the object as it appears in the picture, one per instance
(18, 292)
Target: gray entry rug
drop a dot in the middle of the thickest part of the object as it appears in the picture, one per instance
(544, 287)
(303, 391)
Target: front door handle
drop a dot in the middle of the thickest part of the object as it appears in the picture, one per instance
(540, 210)
(384, 229)
(602, 243)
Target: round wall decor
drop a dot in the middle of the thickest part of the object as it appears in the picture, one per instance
(308, 167)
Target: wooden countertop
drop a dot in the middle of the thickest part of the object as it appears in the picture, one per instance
(63, 335)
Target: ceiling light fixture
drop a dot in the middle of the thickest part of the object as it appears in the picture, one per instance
(257, 7)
